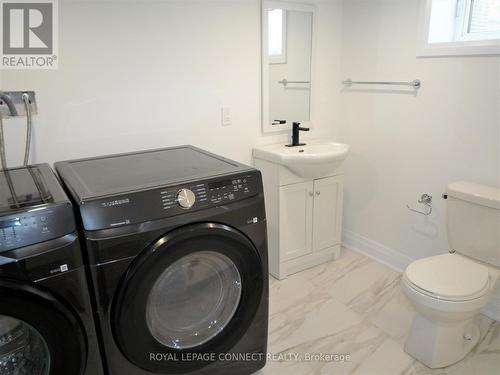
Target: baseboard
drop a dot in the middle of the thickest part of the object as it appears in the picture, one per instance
(383, 254)
(399, 261)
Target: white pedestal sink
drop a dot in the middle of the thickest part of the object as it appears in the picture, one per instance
(317, 158)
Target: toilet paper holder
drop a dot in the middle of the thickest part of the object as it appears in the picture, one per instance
(426, 200)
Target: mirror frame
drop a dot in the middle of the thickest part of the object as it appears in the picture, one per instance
(287, 5)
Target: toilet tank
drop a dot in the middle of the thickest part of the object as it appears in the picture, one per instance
(473, 221)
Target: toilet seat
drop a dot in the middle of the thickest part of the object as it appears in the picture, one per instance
(448, 277)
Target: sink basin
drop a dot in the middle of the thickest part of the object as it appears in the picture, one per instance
(315, 159)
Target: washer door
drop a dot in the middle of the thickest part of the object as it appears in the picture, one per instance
(38, 334)
(194, 291)
(206, 280)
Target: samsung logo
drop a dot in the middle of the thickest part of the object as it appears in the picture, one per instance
(116, 202)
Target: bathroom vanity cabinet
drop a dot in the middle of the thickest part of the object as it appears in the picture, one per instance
(304, 218)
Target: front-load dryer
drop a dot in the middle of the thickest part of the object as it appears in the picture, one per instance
(176, 244)
(46, 321)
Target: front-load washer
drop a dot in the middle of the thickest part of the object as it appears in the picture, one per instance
(46, 322)
(176, 244)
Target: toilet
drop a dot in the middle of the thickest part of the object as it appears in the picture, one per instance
(449, 290)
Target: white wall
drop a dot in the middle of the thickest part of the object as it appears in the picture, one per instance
(404, 144)
(142, 74)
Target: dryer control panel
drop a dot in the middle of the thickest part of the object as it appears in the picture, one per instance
(169, 201)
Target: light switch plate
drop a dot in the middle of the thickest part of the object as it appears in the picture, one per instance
(227, 118)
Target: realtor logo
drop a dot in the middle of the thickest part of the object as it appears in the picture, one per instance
(29, 34)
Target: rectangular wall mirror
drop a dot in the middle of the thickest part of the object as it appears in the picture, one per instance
(287, 56)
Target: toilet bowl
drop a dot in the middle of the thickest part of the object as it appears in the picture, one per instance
(448, 291)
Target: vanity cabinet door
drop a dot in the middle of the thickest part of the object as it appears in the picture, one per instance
(295, 224)
(327, 212)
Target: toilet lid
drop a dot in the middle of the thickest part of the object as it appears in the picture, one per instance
(448, 275)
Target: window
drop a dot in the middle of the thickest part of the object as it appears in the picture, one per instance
(478, 20)
(276, 36)
(459, 27)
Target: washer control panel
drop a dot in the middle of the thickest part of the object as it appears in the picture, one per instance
(202, 195)
(186, 198)
(169, 201)
(229, 189)
(30, 227)
(183, 197)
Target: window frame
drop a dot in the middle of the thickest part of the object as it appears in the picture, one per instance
(463, 47)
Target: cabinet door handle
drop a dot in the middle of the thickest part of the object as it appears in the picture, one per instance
(318, 193)
(311, 193)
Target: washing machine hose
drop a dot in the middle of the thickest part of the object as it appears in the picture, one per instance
(29, 128)
(26, 100)
(3, 160)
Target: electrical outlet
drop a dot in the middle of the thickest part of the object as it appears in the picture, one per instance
(227, 118)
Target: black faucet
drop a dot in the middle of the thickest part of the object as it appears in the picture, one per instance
(295, 135)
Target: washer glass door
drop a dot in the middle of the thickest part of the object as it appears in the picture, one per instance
(194, 291)
(193, 299)
(22, 349)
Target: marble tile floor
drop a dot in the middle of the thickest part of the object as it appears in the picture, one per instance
(355, 306)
